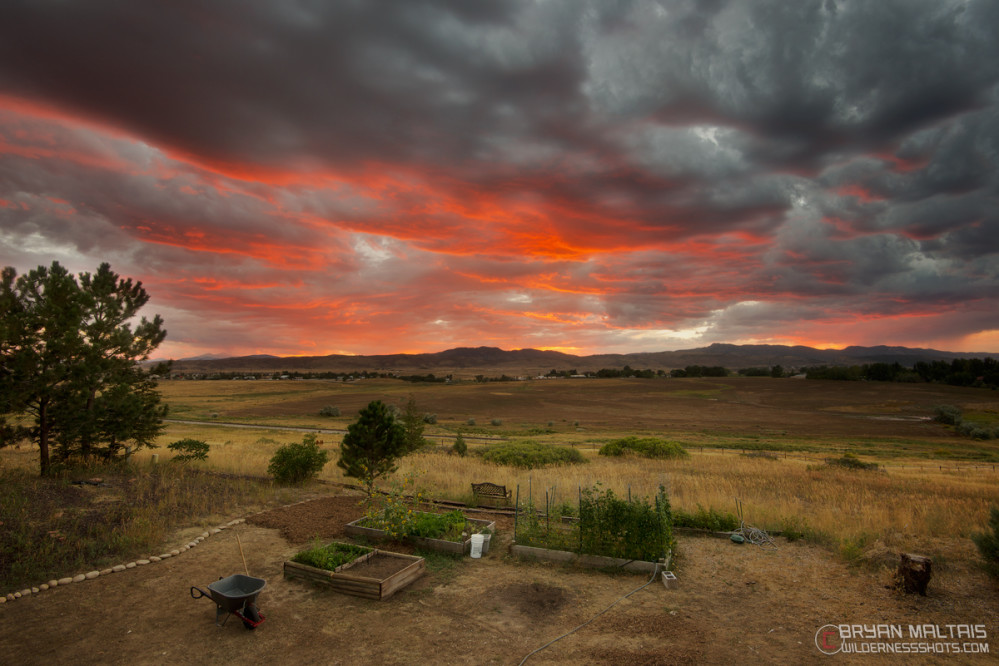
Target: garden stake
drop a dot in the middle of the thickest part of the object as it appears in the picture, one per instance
(516, 512)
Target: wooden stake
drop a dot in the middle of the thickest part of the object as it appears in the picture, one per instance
(240, 543)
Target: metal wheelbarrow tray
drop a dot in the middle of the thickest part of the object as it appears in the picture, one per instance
(236, 595)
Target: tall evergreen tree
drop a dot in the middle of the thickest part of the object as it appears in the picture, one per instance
(412, 425)
(372, 445)
(68, 361)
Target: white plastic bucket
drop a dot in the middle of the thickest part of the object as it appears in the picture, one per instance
(477, 540)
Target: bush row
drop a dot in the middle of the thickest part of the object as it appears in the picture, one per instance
(647, 447)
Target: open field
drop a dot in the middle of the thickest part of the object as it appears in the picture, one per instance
(932, 484)
(763, 441)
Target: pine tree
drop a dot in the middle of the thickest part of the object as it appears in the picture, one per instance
(372, 445)
(69, 361)
(412, 426)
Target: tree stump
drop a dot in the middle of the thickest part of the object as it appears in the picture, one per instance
(914, 573)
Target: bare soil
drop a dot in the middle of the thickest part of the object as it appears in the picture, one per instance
(734, 603)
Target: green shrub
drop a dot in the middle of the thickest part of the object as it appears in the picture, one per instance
(189, 449)
(496, 422)
(295, 463)
(706, 519)
(459, 446)
(647, 447)
(948, 414)
(988, 544)
(329, 410)
(331, 556)
(850, 461)
(529, 455)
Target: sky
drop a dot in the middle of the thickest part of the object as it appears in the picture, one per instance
(297, 177)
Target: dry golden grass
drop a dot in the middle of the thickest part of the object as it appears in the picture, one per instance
(913, 500)
(905, 504)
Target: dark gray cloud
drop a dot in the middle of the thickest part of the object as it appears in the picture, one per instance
(571, 170)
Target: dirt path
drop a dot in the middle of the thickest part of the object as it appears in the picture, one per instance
(734, 602)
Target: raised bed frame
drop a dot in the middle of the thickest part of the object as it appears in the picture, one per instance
(584, 560)
(342, 580)
(439, 545)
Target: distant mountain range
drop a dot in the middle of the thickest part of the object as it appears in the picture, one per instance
(487, 360)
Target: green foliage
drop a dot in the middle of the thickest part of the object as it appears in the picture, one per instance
(329, 411)
(330, 556)
(647, 447)
(372, 445)
(189, 449)
(988, 543)
(615, 527)
(69, 353)
(947, 414)
(706, 519)
(459, 446)
(850, 461)
(607, 525)
(398, 519)
(412, 421)
(496, 422)
(296, 463)
(530, 455)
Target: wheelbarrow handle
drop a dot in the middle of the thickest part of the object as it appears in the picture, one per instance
(201, 593)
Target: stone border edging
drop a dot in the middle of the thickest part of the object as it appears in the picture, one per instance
(119, 568)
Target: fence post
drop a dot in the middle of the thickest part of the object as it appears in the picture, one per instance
(516, 512)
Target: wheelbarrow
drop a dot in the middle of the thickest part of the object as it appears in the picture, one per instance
(235, 595)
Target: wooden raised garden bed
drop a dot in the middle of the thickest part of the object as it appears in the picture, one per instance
(584, 560)
(375, 575)
(439, 545)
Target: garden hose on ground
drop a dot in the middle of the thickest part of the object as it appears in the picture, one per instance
(753, 535)
(569, 633)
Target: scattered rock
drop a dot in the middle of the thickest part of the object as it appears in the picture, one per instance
(142, 562)
(35, 590)
(90, 575)
(79, 578)
(204, 535)
(18, 595)
(43, 587)
(105, 572)
(131, 565)
(65, 581)
(3, 600)
(53, 583)
(175, 552)
(25, 592)
(155, 559)
(118, 568)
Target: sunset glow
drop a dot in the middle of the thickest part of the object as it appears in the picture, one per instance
(585, 177)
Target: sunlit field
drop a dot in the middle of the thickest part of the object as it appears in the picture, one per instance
(764, 442)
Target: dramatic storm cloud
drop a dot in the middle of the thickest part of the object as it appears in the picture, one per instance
(306, 177)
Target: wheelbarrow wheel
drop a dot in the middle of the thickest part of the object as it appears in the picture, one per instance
(251, 616)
